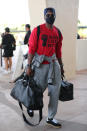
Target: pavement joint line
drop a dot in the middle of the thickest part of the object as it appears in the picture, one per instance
(70, 119)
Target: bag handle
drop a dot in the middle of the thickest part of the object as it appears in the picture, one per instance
(25, 119)
(63, 77)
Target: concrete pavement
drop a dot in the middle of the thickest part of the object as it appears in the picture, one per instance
(72, 115)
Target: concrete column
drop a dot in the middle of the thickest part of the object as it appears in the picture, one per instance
(66, 21)
(36, 10)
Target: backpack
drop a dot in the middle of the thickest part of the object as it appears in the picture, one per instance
(38, 32)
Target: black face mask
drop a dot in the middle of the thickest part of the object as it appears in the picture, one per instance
(50, 20)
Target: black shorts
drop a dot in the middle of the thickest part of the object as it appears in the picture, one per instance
(8, 53)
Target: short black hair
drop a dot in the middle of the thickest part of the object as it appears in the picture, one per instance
(27, 25)
(7, 29)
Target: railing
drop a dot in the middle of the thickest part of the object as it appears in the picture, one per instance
(82, 27)
(82, 31)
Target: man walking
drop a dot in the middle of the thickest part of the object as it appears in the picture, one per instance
(45, 59)
(27, 28)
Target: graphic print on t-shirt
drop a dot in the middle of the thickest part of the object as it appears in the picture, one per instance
(49, 41)
(44, 39)
(48, 44)
(52, 41)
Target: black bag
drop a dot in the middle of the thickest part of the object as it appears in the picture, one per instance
(3, 46)
(30, 95)
(13, 46)
(66, 91)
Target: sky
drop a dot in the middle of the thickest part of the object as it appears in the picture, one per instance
(14, 12)
(82, 16)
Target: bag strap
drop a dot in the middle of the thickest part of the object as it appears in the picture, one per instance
(59, 32)
(25, 119)
(38, 32)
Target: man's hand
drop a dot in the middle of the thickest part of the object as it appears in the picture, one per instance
(29, 71)
(61, 67)
(62, 72)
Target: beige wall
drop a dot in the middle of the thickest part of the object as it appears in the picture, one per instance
(81, 53)
(66, 21)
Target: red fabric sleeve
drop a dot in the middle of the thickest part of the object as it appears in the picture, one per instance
(33, 42)
(59, 48)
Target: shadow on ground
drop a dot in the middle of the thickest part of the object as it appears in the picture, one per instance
(66, 125)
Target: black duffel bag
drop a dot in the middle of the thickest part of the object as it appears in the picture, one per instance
(66, 91)
(27, 92)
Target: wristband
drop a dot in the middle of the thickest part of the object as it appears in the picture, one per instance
(61, 65)
(29, 65)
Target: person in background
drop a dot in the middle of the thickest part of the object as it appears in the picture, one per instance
(45, 59)
(8, 43)
(27, 28)
(25, 47)
(78, 36)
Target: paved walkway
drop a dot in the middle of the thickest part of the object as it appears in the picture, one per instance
(72, 115)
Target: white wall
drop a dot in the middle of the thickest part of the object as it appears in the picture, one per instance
(81, 55)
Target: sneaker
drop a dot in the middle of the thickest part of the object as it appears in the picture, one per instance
(30, 113)
(2, 69)
(5, 72)
(10, 71)
(53, 123)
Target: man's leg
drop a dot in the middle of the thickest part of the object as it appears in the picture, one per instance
(10, 63)
(6, 63)
(53, 92)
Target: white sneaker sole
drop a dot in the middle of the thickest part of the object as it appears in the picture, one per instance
(58, 127)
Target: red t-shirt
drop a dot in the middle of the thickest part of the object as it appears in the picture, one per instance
(48, 43)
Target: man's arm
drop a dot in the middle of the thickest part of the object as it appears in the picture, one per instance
(13, 40)
(61, 66)
(25, 40)
(59, 54)
(29, 70)
(32, 49)
(30, 58)
(27, 37)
